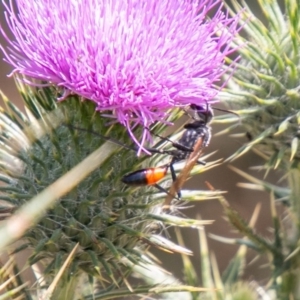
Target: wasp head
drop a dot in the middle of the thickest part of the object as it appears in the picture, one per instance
(203, 112)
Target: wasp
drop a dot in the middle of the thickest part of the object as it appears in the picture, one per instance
(194, 133)
(147, 176)
(197, 132)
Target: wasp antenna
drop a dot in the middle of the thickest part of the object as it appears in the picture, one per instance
(227, 111)
(101, 136)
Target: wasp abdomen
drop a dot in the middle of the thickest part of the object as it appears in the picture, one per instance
(147, 176)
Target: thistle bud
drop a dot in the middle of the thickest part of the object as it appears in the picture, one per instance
(264, 87)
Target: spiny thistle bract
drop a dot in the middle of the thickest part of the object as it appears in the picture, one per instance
(228, 285)
(264, 89)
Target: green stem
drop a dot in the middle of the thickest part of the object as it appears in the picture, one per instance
(294, 184)
(287, 282)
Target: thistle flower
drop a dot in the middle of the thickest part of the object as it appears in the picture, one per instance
(134, 59)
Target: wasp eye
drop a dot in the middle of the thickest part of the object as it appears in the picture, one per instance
(195, 107)
(198, 108)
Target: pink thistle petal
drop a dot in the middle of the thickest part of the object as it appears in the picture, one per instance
(134, 58)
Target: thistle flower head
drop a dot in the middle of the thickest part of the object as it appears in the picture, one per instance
(264, 88)
(135, 59)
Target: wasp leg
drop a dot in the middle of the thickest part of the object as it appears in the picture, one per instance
(174, 177)
(174, 144)
(161, 189)
(201, 162)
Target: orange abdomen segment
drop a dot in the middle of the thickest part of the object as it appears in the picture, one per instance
(154, 175)
(147, 176)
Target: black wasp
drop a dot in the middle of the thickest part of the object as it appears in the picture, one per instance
(195, 132)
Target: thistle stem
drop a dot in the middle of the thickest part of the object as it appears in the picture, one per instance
(293, 181)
